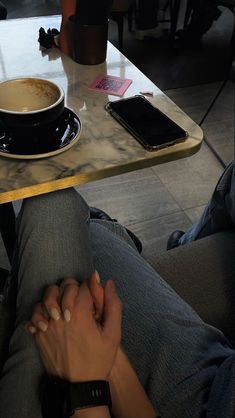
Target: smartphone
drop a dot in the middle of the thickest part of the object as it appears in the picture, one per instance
(152, 128)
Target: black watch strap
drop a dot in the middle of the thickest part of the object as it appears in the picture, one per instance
(87, 395)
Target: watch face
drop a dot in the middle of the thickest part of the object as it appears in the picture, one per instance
(61, 399)
(87, 395)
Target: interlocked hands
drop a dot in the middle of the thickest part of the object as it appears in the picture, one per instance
(78, 329)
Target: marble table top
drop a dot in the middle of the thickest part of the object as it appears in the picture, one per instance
(104, 148)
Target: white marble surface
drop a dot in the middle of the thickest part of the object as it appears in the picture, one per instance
(104, 148)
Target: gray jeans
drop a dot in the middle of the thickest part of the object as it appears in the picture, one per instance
(174, 353)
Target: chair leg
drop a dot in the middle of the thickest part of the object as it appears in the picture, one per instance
(118, 17)
(120, 33)
(188, 12)
(174, 11)
(130, 17)
(167, 4)
(3, 12)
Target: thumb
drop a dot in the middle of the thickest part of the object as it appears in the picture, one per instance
(112, 312)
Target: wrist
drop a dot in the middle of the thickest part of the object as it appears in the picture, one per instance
(119, 360)
(96, 412)
(81, 399)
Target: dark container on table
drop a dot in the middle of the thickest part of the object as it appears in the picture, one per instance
(89, 42)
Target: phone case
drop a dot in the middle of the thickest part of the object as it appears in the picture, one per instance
(136, 135)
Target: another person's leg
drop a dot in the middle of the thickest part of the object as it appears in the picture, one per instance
(53, 243)
(219, 214)
(204, 13)
(68, 8)
(175, 354)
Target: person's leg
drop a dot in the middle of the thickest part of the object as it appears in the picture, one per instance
(203, 15)
(219, 214)
(68, 8)
(175, 354)
(53, 243)
(171, 349)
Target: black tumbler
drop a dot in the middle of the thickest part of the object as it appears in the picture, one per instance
(89, 42)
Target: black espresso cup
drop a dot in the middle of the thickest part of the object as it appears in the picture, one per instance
(27, 104)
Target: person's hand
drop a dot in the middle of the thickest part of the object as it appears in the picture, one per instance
(59, 300)
(68, 8)
(81, 348)
(64, 39)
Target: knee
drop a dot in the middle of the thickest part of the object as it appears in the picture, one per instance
(59, 205)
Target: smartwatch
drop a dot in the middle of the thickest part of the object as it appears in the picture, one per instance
(61, 398)
(84, 395)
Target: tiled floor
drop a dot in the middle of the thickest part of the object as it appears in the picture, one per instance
(155, 201)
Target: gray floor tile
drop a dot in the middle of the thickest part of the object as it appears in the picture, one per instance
(155, 233)
(221, 137)
(191, 180)
(194, 100)
(131, 198)
(219, 124)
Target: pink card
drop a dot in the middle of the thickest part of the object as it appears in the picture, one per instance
(110, 85)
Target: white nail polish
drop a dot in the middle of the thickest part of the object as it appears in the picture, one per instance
(55, 314)
(42, 326)
(97, 277)
(32, 330)
(67, 315)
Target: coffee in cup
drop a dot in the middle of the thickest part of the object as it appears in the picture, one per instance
(30, 103)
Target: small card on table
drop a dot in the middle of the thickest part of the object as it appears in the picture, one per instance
(110, 85)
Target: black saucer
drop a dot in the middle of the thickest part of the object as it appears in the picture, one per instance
(41, 143)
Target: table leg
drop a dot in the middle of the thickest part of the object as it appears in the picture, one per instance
(7, 228)
(175, 7)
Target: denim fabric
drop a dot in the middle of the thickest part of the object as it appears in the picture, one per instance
(219, 214)
(176, 356)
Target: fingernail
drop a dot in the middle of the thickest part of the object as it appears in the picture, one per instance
(55, 314)
(32, 329)
(42, 326)
(67, 315)
(97, 276)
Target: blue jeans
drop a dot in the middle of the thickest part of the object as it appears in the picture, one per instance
(219, 214)
(175, 354)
